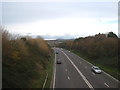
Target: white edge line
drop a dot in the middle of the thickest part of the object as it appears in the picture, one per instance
(111, 76)
(66, 70)
(54, 73)
(102, 70)
(84, 78)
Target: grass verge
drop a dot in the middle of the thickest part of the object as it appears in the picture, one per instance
(49, 70)
(110, 70)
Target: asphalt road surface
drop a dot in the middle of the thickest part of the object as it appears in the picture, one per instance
(75, 72)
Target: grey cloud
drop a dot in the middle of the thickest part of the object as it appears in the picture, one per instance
(64, 36)
(28, 12)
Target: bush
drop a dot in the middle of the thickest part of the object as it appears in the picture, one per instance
(24, 60)
(99, 49)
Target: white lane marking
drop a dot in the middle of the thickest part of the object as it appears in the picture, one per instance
(106, 84)
(68, 78)
(110, 76)
(66, 70)
(93, 73)
(84, 78)
(54, 73)
(85, 67)
(102, 70)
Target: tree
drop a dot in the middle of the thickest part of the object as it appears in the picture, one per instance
(23, 38)
(111, 34)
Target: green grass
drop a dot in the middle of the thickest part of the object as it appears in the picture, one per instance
(102, 64)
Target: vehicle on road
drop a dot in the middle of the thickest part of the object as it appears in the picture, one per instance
(58, 61)
(96, 70)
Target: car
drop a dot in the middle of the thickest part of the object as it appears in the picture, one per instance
(96, 70)
(58, 61)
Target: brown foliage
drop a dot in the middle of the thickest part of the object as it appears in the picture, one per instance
(41, 45)
(16, 48)
(24, 59)
(94, 46)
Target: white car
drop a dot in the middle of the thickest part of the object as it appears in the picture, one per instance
(96, 69)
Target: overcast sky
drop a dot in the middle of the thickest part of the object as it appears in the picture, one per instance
(52, 20)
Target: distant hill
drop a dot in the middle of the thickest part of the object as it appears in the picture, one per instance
(56, 42)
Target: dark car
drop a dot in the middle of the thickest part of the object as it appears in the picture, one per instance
(58, 61)
(96, 69)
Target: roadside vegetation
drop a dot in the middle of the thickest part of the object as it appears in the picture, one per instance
(26, 61)
(100, 49)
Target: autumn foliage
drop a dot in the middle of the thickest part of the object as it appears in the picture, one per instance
(101, 49)
(24, 60)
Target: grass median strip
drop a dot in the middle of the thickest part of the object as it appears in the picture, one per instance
(49, 70)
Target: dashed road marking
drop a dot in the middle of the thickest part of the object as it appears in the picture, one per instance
(68, 78)
(93, 65)
(84, 78)
(106, 84)
(66, 70)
